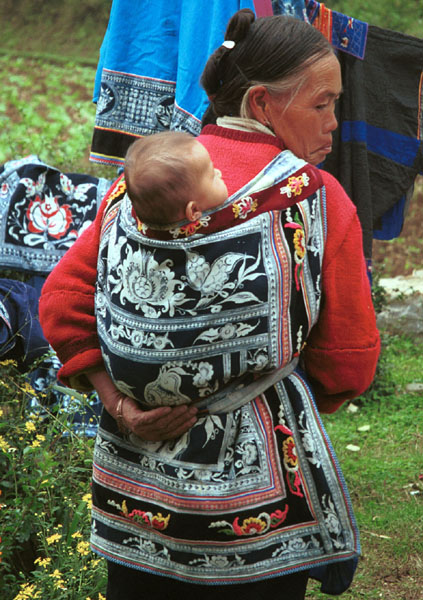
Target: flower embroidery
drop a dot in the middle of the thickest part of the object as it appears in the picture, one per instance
(242, 207)
(45, 215)
(299, 246)
(146, 518)
(295, 185)
(204, 374)
(149, 285)
(299, 243)
(190, 228)
(289, 454)
(253, 525)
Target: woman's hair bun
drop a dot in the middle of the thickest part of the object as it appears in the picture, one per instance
(239, 25)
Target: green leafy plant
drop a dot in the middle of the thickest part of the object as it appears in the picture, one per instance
(45, 500)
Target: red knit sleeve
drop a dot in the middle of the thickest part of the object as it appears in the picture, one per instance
(343, 348)
(67, 308)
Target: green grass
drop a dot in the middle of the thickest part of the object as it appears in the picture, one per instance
(405, 16)
(385, 476)
(46, 109)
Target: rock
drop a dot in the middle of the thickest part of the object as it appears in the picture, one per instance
(414, 387)
(404, 310)
(403, 284)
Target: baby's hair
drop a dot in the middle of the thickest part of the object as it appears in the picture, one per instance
(159, 176)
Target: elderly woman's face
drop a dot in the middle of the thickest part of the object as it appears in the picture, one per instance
(306, 125)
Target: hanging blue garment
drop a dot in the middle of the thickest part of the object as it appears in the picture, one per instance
(150, 65)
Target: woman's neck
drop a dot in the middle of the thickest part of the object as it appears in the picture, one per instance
(243, 124)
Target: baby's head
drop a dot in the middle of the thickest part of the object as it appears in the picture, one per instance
(170, 176)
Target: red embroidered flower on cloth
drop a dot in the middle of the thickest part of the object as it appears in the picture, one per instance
(46, 215)
(146, 518)
(253, 525)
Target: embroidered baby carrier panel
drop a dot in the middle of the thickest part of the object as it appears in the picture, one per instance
(240, 497)
(196, 316)
(247, 494)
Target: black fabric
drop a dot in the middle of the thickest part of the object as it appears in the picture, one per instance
(131, 584)
(21, 336)
(378, 151)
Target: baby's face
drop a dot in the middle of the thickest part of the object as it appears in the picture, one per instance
(211, 190)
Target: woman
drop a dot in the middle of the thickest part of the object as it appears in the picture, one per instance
(251, 500)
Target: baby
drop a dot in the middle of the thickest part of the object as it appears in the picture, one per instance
(170, 177)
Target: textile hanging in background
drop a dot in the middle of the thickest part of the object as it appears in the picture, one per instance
(42, 212)
(150, 65)
(292, 8)
(377, 148)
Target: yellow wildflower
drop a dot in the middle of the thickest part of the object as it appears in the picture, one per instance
(29, 426)
(6, 363)
(27, 591)
(35, 444)
(59, 584)
(56, 574)
(77, 534)
(26, 387)
(1, 412)
(83, 548)
(43, 562)
(3, 444)
(87, 498)
(53, 538)
(101, 597)
(40, 437)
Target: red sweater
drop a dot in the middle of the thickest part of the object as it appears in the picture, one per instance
(343, 348)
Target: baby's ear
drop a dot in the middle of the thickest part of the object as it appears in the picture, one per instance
(192, 212)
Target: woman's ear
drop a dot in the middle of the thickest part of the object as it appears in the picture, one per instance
(258, 102)
(192, 211)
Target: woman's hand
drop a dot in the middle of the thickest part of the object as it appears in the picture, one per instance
(158, 424)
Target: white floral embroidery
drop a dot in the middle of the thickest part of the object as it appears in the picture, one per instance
(147, 284)
(218, 562)
(332, 522)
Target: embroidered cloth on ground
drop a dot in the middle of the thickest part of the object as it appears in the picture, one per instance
(42, 212)
(253, 493)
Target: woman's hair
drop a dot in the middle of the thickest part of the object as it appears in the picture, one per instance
(270, 51)
(160, 176)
